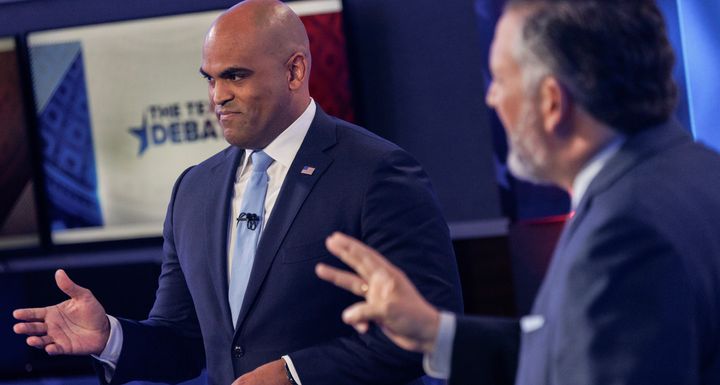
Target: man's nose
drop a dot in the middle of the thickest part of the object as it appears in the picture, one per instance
(221, 94)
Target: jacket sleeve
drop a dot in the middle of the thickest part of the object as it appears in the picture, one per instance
(485, 351)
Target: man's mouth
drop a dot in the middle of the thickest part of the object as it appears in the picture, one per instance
(222, 115)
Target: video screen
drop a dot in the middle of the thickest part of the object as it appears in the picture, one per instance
(18, 217)
(122, 110)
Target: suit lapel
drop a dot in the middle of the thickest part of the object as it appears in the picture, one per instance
(637, 147)
(293, 193)
(216, 224)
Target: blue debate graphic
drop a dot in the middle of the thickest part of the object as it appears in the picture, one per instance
(66, 133)
(175, 123)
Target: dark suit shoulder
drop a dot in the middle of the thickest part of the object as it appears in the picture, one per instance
(672, 197)
(349, 133)
(220, 164)
(218, 158)
(679, 180)
(366, 152)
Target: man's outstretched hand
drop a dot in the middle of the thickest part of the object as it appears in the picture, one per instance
(77, 326)
(391, 300)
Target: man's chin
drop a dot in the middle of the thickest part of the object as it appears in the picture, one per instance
(235, 141)
(242, 142)
(528, 173)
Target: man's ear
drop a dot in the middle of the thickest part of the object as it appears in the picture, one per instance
(554, 106)
(297, 70)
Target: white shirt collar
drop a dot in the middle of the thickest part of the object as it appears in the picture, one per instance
(284, 148)
(592, 168)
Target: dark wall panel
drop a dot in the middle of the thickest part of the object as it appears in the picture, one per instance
(417, 82)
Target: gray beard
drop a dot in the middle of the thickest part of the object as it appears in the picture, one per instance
(527, 156)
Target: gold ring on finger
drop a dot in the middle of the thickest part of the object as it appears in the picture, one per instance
(364, 288)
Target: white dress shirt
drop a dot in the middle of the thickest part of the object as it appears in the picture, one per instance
(282, 150)
(438, 363)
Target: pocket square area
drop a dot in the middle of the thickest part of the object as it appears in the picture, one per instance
(531, 323)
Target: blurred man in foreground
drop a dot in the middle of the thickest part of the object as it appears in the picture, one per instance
(632, 295)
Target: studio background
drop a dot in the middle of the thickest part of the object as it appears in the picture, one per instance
(414, 72)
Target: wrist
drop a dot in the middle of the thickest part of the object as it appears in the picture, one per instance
(110, 344)
(431, 330)
(288, 375)
(105, 332)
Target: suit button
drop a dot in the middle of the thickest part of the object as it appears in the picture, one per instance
(238, 351)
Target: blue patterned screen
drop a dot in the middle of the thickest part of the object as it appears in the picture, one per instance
(65, 129)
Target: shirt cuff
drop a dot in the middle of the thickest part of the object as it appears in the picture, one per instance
(111, 354)
(437, 363)
(293, 372)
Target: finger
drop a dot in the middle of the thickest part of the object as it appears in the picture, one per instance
(54, 349)
(360, 257)
(340, 245)
(342, 278)
(30, 328)
(69, 287)
(33, 314)
(359, 313)
(38, 342)
(361, 327)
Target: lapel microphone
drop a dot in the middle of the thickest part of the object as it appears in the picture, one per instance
(251, 219)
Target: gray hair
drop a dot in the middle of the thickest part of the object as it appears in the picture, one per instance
(613, 57)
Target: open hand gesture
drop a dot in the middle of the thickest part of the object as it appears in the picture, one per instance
(77, 326)
(391, 300)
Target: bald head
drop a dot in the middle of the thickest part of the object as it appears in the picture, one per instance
(271, 24)
(256, 58)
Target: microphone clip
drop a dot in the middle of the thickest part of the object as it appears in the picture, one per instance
(252, 220)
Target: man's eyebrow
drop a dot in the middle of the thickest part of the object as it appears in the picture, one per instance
(234, 71)
(229, 73)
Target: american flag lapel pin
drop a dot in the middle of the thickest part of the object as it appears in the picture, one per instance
(307, 170)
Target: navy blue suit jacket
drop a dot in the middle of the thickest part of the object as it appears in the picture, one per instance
(632, 295)
(362, 185)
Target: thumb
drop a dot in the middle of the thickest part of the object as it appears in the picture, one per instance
(69, 287)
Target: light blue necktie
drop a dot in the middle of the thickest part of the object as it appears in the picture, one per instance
(248, 226)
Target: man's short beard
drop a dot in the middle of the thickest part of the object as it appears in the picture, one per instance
(528, 155)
